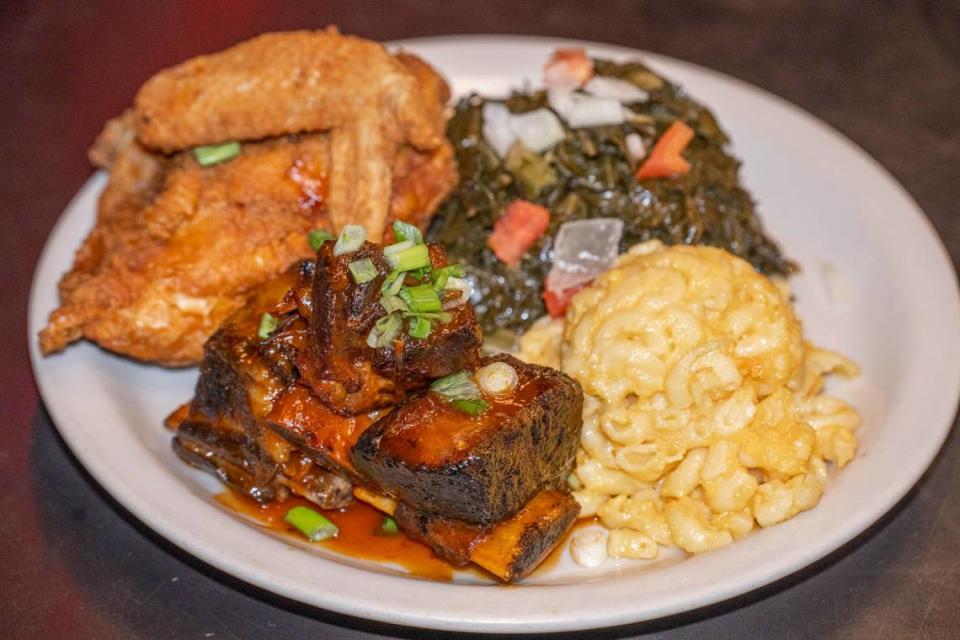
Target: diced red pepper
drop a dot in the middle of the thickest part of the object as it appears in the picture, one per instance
(558, 301)
(665, 159)
(568, 69)
(520, 226)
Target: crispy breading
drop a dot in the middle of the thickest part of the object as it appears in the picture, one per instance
(370, 102)
(177, 247)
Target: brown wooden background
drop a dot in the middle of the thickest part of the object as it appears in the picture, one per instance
(75, 565)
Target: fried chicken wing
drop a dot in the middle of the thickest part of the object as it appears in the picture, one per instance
(281, 83)
(335, 130)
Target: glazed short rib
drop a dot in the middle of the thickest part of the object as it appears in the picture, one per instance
(293, 398)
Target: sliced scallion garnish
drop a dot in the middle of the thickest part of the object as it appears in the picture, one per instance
(442, 317)
(397, 247)
(441, 275)
(471, 406)
(311, 524)
(384, 331)
(392, 283)
(408, 259)
(268, 324)
(462, 392)
(419, 327)
(351, 238)
(422, 298)
(387, 528)
(393, 303)
(212, 154)
(456, 385)
(406, 231)
(363, 270)
(317, 237)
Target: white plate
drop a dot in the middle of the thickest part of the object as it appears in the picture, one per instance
(890, 301)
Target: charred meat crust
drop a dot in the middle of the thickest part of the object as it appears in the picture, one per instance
(511, 548)
(531, 449)
(346, 373)
(241, 377)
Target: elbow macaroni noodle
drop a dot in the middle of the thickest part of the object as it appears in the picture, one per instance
(703, 413)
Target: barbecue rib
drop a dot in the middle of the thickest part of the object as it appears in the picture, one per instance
(343, 370)
(487, 489)
(335, 130)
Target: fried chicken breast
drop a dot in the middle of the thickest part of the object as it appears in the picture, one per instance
(334, 129)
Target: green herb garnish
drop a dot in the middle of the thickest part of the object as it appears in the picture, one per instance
(442, 317)
(456, 385)
(268, 324)
(317, 237)
(362, 270)
(311, 524)
(212, 154)
(472, 407)
(392, 283)
(441, 275)
(462, 392)
(351, 238)
(419, 327)
(405, 231)
(422, 298)
(387, 528)
(393, 303)
(384, 331)
(409, 258)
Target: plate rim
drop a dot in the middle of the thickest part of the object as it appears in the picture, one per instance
(548, 621)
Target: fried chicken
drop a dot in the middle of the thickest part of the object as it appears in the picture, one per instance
(335, 131)
(301, 81)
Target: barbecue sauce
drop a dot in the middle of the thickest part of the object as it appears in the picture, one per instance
(358, 523)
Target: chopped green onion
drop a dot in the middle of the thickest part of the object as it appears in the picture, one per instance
(393, 303)
(317, 237)
(387, 528)
(311, 524)
(419, 327)
(351, 238)
(442, 317)
(212, 154)
(422, 298)
(472, 407)
(392, 283)
(268, 324)
(405, 231)
(384, 331)
(459, 385)
(441, 275)
(410, 258)
(363, 270)
(397, 247)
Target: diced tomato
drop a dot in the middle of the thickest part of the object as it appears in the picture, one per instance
(558, 301)
(521, 225)
(665, 159)
(567, 69)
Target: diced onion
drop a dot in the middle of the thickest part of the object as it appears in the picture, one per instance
(635, 146)
(621, 90)
(582, 250)
(581, 110)
(538, 130)
(497, 129)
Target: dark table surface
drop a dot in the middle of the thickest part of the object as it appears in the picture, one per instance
(73, 564)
